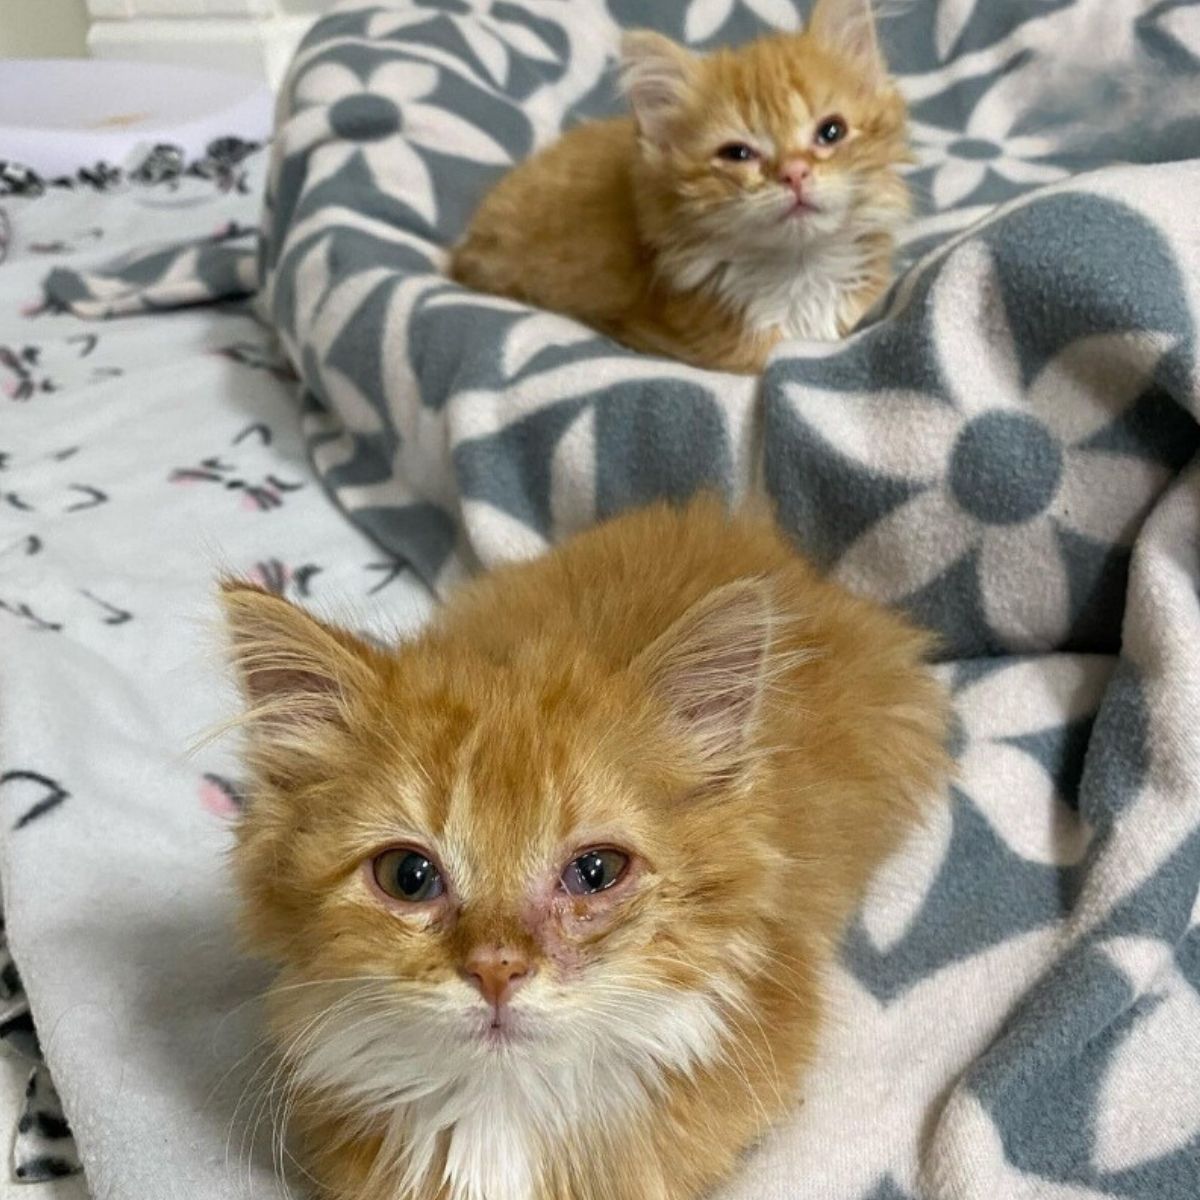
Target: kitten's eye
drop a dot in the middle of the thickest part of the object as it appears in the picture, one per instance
(407, 875)
(594, 871)
(830, 130)
(737, 152)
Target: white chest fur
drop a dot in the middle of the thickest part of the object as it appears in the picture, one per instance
(802, 291)
(498, 1116)
(803, 296)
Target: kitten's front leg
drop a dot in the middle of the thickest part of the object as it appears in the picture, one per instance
(712, 344)
(856, 304)
(749, 356)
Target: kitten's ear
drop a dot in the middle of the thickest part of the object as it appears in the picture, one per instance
(656, 75)
(710, 669)
(848, 26)
(298, 675)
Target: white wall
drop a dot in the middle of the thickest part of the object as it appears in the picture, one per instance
(43, 28)
(254, 37)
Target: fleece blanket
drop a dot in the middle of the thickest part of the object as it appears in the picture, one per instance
(1006, 450)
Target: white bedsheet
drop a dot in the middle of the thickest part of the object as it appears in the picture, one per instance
(121, 497)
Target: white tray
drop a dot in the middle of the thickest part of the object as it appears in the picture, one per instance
(59, 114)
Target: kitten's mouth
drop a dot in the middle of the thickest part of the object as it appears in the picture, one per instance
(499, 1035)
(500, 1028)
(800, 208)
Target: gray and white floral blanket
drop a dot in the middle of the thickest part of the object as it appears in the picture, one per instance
(1008, 451)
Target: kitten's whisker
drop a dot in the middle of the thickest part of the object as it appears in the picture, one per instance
(266, 1039)
(741, 1009)
(267, 1102)
(289, 1094)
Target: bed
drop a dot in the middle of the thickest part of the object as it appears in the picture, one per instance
(1006, 450)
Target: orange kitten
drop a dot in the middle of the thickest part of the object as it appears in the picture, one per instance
(752, 196)
(552, 886)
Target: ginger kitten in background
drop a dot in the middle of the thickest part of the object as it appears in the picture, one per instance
(552, 886)
(752, 196)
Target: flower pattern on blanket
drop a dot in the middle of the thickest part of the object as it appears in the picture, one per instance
(1001, 856)
(379, 121)
(30, 512)
(31, 794)
(163, 165)
(41, 369)
(42, 1147)
(259, 491)
(495, 40)
(997, 469)
(221, 796)
(959, 161)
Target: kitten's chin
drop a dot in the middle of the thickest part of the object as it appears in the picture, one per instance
(802, 223)
(788, 225)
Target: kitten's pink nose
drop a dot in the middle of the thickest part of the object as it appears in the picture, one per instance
(796, 174)
(497, 971)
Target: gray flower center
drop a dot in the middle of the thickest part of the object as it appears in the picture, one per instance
(977, 148)
(1005, 468)
(364, 117)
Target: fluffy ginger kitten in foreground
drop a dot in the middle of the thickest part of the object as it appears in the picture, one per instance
(751, 196)
(551, 886)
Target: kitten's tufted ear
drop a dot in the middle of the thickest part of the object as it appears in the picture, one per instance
(710, 668)
(299, 676)
(656, 76)
(848, 26)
